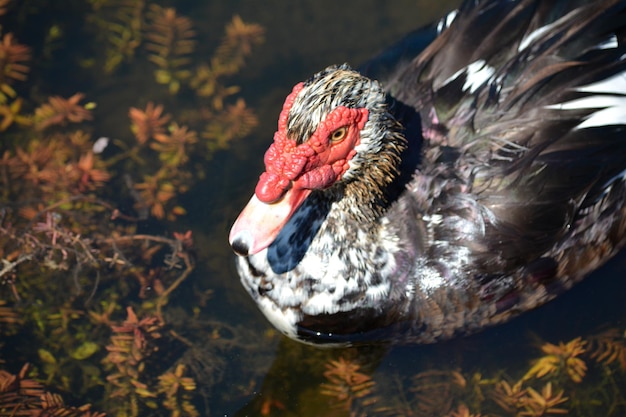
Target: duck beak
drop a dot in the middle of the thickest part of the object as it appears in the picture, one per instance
(259, 223)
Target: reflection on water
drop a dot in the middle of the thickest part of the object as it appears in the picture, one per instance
(240, 365)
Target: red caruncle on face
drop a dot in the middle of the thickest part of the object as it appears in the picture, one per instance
(318, 162)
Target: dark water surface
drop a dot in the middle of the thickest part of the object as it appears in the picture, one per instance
(266, 374)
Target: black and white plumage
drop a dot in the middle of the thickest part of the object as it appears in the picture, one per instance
(470, 183)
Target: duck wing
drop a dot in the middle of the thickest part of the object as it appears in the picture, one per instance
(523, 108)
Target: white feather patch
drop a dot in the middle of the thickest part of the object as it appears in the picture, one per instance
(610, 43)
(534, 35)
(609, 98)
(477, 74)
(612, 85)
(540, 31)
(446, 21)
(284, 321)
(615, 115)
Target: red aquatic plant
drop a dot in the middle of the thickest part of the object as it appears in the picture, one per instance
(173, 147)
(89, 176)
(8, 315)
(155, 193)
(35, 164)
(434, 390)
(346, 382)
(609, 347)
(141, 331)
(53, 168)
(59, 111)
(21, 396)
(235, 122)
(13, 58)
(186, 239)
(237, 44)
(158, 191)
(131, 343)
(145, 124)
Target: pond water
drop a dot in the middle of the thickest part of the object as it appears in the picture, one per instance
(249, 369)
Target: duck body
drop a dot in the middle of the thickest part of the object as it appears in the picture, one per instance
(461, 187)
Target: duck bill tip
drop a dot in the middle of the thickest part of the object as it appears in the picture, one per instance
(259, 223)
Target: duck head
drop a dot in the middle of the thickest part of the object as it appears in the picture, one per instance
(330, 130)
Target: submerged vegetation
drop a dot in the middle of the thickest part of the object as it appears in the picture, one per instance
(557, 383)
(84, 284)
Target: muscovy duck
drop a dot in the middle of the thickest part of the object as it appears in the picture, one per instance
(463, 186)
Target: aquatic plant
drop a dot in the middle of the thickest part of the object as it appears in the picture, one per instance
(21, 396)
(236, 46)
(64, 235)
(72, 202)
(510, 397)
(11, 113)
(236, 121)
(228, 59)
(226, 123)
(176, 389)
(170, 43)
(435, 390)
(542, 404)
(609, 347)
(8, 316)
(121, 24)
(347, 384)
(453, 393)
(173, 147)
(145, 124)
(13, 63)
(561, 359)
(155, 192)
(132, 342)
(59, 111)
(462, 411)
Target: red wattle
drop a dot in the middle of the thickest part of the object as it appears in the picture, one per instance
(271, 187)
(319, 178)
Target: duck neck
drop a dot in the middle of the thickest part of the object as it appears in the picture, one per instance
(383, 176)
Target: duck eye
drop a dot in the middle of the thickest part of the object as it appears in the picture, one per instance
(339, 134)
